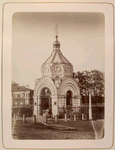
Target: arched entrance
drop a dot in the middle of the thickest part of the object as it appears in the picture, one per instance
(69, 98)
(69, 102)
(46, 102)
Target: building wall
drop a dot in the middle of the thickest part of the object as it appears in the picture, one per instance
(22, 98)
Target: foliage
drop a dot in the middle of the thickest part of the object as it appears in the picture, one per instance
(91, 81)
(14, 83)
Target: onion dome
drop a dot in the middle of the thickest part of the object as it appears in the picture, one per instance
(56, 44)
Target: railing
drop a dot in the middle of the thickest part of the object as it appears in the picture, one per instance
(97, 110)
(93, 105)
(23, 106)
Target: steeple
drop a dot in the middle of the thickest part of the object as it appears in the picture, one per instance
(56, 44)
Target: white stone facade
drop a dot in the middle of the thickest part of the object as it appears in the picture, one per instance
(57, 88)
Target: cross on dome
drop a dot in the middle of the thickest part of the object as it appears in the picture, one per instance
(56, 44)
(56, 30)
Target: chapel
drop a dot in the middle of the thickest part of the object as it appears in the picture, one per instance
(56, 90)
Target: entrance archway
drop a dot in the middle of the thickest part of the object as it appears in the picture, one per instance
(46, 102)
(69, 98)
(69, 102)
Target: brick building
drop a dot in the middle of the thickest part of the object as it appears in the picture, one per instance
(22, 97)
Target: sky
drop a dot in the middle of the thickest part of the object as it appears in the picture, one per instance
(81, 35)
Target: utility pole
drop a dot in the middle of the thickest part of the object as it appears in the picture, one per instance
(90, 108)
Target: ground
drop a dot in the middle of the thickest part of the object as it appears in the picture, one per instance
(83, 130)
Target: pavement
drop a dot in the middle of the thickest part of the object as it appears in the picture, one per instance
(57, 130)
(96, 126)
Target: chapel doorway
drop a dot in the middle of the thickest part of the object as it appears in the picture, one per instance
(69, 98)
(46, 102)
(69, 102)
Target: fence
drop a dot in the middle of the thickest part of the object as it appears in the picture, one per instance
(28, 111)
(97, 111)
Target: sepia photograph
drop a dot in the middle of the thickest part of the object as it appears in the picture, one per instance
(57, 75)
(60, 96)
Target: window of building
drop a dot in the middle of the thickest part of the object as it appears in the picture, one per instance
(15, 95)
(16, 103)
(27, 102)
(21, 103)
(18, 95)
(54, 103)
(22, 95)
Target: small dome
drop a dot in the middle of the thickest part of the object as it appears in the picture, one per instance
(56, 44)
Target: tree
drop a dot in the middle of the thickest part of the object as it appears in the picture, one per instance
(14, 83)
(91, 83)
(93, 80)
(99, 83)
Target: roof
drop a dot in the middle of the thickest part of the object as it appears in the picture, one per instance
(20, 88)
(56, 55)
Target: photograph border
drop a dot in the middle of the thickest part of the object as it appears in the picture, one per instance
(7, 66)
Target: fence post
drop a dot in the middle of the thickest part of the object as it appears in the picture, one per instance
(34, 119)
(82, 116)
(24, 118)
(56, 119)
(65, 117)
(14, 117)
(74, 117)
(46, 118)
